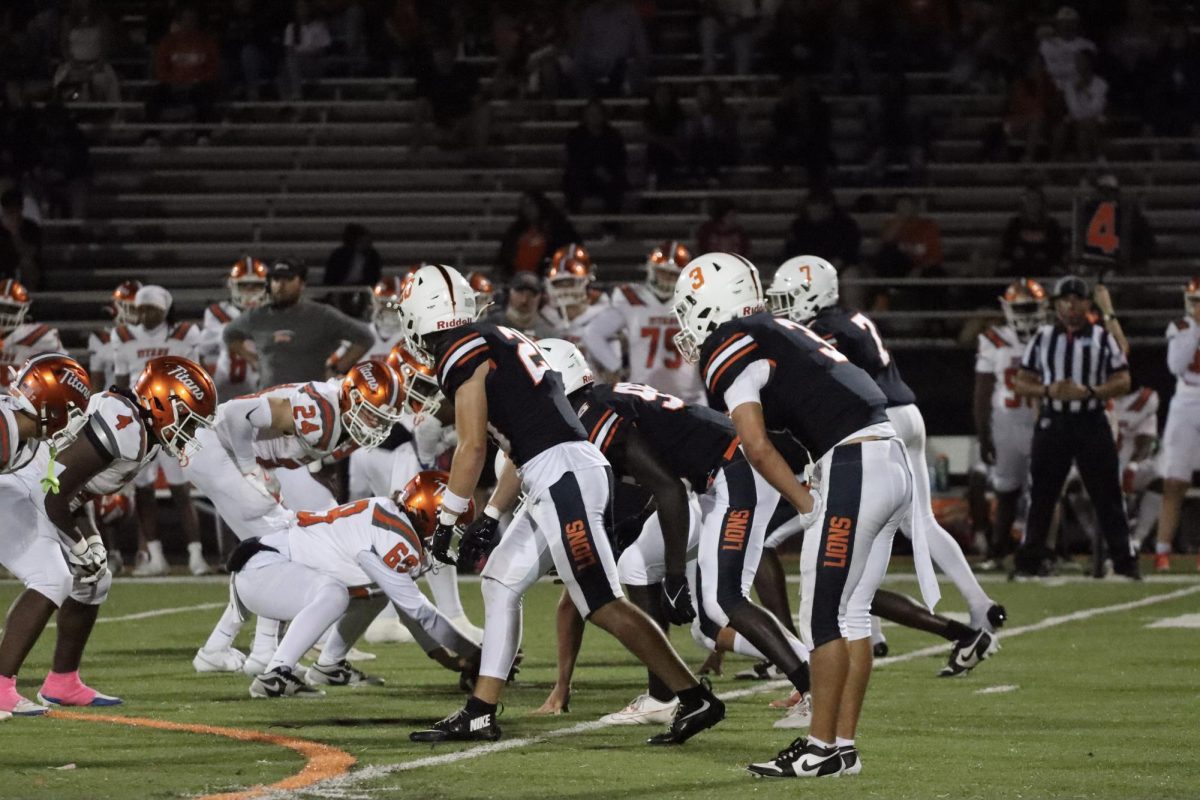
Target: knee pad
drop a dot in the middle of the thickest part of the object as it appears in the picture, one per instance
(92, 594)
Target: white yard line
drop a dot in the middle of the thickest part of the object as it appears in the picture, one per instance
(158, 612)
(345, 786)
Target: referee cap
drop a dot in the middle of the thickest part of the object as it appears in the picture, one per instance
(1072, 284)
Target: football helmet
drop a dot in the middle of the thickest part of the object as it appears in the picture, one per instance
(437, 298)
(421, 501)
(566, 359)
(54, 389)
(419, 386)
(567, 280)
(712, 289)
(484, 290)
(14, 305)
(385, 305)
(663, 266)
(1024, 305)
(248, 283)
(124, 307)
(1191, 295)
(802, 286)
(179, 398)
(111, 508)
(370, 402)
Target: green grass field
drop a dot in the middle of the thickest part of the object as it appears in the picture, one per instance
(1103, 706)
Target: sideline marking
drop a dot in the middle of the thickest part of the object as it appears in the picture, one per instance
(343, 785)
(1182, 621)
(1001, 689)
(322, 762)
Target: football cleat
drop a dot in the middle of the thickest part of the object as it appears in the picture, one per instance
(851, 763)
(282, 682)
(149, 567)
(761, 671)
(692, 718)
(339, 674)
(256, 663)
(798, 715)
(967, 654)
(644, 710)
(228, 660)
(800, 759)
(197, 565)
(25, 708)
(5, 715)
(1162, 562)
(461, 727)
(86, 698)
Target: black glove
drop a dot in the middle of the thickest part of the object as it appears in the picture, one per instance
(439, 545)
(678, 599)
(479, 540)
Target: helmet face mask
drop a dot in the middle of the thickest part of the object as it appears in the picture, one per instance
(385, 306)
(54, 389)
(663, 268)
(370, 394)
(367, 425)
(714, 288)
(1191, 296)
(568, 278)
(248, 283)
(1025, 308)
(14, 305)
(124, 310)
(179, 438)
(422, 395)
(802, 287)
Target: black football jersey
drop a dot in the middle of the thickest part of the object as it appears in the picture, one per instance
(859, 340)
(692, 440)
(528, 411)
(814, 392)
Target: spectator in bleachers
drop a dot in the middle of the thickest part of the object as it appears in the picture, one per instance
(735, 26)
(1033, 242)
(539, 229)
(520, 308)
(1173, 85)
(355, 263)
(85, 73)
(711, 134)
(801, 132)
(610, 50)
(823, 229)
(306, 41)
(1032, 102)
(897, 132)
(20, 241)
(663, 121)
(186, 68)
(246, 49)
(1086, 99)
(1060, 47)
(910, 244)
(596, 161)
(722, 232)
(449, 96)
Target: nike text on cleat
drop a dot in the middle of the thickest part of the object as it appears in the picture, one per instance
(644, 710)
(691, 719)
(460, 727)
(967, 654)
(282, 682)
(798, 716)
(851, 763)
(340, 674)
(801, 760)
(761, 671)
(228, 660)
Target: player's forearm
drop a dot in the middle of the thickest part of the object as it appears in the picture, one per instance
(983, 416)
(768, 463)
(429, 628)
(597, 341)
(467, 466)
(673, 515)
(58, 509)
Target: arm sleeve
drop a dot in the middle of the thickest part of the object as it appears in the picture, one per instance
(985, 357)
(598, 335)
(241, 419)
(746, 388)
(1182, 344)
(428, 626)
(343, 328)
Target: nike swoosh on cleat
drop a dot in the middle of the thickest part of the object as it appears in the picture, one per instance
(699, 710)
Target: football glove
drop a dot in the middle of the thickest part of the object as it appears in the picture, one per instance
(677, 598)
(88, 559)
(479, 540)
(442, 542)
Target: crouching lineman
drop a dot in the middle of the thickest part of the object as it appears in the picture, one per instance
(771, 372)
(288, 427)
(45, 503)
(498, 380)
(310, 575)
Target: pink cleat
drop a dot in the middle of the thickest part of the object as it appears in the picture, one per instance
(13, 704)
(66, 689)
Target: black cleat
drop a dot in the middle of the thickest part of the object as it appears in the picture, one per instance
(461, 727)
(801, 760)
(967, 654)
(997, 616)
(692, 718)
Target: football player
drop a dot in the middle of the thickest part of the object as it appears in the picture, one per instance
(1181, 437)
(51, 543)
(1136, 419)
(311, 573)
(569, 307)
(770, 372)
(660, 442)
(499, 382)
(21, 340)
(99, 343)
(485, 291)
(247, 284)
(283, 428)
(132, 347)
(642, 314)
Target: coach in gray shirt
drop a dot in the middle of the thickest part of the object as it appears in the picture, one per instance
(293, 337)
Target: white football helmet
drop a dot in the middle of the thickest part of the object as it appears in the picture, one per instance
(802, 286)
(566, 359)
(435, 298)
(713, 288)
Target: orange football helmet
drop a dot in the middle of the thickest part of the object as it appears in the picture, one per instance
(180, 398)
(484, 289)
(1191, 295)
(370, 401)
(124, 307)
(385, 305)
(571, 272)
(111, 508)
(54, 389)
(1024, 305)
(419, 386)
(248, 283)
(421, 499)
(14, 304)
(664, 265)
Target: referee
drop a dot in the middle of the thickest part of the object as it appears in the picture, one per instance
(1074, 365)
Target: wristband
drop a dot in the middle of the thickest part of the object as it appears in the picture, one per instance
(446, 517)
(491, 511)
(79, 548)
(455, 504)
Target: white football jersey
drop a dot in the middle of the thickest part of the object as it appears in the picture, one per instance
(133, 346)
(233, 375)
(999, 355)
(330, 542)
(319, 430)
(572, 330)
(27, 340)
(1183, 356)
(115, 426)
(649, 327)
(13, 454)
(1135, 414)
(100, 362)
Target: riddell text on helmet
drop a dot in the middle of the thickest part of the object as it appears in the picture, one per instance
(444, 325)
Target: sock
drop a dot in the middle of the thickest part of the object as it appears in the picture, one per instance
(8, 688)
(743, 648)
(897, 608)
(67, 687)
(226, 631)
(949, 558)
(691, 696)
(799, 678)
(877, 631)
(195, 548)
(818, 743)
(841, 742)
(477, 708)
(443, 583)
(266, 638)
(1162, 548)
(155, 550)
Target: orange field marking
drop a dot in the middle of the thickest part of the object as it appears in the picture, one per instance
(321, 761)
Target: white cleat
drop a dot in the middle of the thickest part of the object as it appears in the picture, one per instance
(26, 708)
(644, 710)
(197, 565)
(256, 663)
(967, 654)
(150, 568)
(475, 634)
(387, 630)
(228, 660)
(360, 655)
(282, 682)
(5, 715)
(798, 715)
(341, 674)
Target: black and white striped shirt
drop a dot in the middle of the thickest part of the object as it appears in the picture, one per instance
(1089, 356)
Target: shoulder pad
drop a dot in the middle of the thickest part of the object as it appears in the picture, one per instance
(116, 424)
(994, 336)
(219, 313)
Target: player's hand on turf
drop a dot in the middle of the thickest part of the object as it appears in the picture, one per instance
(479, 540)
(88, 559)
(439, 545)
(678, 600)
